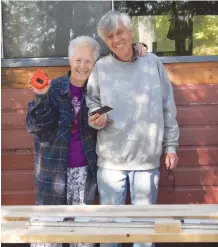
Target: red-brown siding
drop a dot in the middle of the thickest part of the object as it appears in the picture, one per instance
(196, 95)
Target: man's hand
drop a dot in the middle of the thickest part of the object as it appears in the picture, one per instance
(142, 50)
(43, 90)
(171, 160)
(98, 120)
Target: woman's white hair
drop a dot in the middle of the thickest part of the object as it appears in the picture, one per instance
(109, 23)
(84, 41)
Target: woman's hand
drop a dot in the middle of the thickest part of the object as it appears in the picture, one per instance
(42, 90)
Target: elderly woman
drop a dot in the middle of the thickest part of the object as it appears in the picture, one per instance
(64, 143)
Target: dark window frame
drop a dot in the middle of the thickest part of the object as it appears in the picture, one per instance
(63, 61)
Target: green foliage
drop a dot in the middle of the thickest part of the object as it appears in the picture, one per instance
(205, 35)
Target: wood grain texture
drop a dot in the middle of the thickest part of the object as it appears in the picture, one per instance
(198, 156)
(179, 73)
(184, 95)
(188, 195)
(186, 115)
(18, 197)
(130, 211)
(15, 119)
(18, 160)
(191, 176)
(193, 73)
(17, 180)
(189, 136)
(181, 195)
(198, 135)
(197, 115)
(196, 94)
(12, 139)
(188, 156)
(195, 87)
(19, 77)
(17, 232)
(15, 98)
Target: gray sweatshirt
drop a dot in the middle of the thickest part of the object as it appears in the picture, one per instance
(144, 112)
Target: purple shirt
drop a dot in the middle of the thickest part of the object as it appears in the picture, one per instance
(76, 156)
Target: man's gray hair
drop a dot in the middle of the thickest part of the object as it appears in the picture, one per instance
(84, 41)
(109, 23)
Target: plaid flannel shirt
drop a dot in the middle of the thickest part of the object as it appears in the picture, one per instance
(50, 118)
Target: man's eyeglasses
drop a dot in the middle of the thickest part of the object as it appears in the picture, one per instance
(171, 177)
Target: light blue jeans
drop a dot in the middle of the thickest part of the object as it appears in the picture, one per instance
(112, 187)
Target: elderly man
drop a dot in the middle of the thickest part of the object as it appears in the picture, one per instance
(64, 143)
(144, 117)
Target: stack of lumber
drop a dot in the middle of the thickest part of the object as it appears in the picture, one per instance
(107, 223)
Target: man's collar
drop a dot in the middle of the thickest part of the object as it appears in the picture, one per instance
(135, 55)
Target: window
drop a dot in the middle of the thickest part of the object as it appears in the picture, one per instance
(175, 28)
(43, 29)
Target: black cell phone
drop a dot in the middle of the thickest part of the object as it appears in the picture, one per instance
(102, 110)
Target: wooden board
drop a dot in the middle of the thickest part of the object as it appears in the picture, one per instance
(198, 156)
(186, 115)
(188, 194)
(196, 94)
(181, 195)
(19, 77)
(17, 180)
(17, 160)
(17, 232)
(205, 135)
(136, 211)
(193, 94)
(194, 176)
(179, 73)
(197, 115)
(199, 135)
(18, 197)
(193, 73)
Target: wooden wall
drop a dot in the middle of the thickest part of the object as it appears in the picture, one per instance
(196, 95)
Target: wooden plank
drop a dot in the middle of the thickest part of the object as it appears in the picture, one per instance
(14, 120)
(189, 136)
(197, 115)
(16, 232)
(181, 195)
(196, 94)
(130, 211)
(193, 73)
(184, 95)
(17, 180)
(186, 115)
(205, 135)
(188, 156)
(17, 160)
(19, 77)
(20, 197)
(188, 195)
(16, 98)
(12, 139)
(167, 225)
(197, 155)
(194, 176)
(179, 73)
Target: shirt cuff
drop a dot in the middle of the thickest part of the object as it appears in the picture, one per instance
(170, 149)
